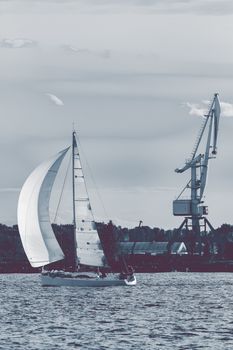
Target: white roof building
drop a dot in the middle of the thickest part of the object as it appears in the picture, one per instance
(152, 248)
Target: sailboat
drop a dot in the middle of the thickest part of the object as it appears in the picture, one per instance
(37, 236)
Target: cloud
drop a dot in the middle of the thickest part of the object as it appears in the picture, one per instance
(201, 109)
(227, 109)
(196, 109)
(9, 189)
(101, 53)
(139, 189)
(203, 7)
(18, 43)
(55, 99)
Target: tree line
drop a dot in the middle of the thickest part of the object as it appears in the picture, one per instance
(218, 243)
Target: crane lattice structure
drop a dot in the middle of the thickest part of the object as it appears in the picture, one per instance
(193, 209)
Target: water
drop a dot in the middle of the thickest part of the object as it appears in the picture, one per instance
(164, 311)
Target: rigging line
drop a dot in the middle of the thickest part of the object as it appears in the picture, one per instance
(93, 180)
(184, 189)
(62, 190)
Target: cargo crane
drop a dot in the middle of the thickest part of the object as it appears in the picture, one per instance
(193, 208)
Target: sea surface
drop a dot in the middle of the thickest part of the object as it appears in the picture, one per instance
(164, 311)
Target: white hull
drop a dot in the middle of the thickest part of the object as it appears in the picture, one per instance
(57, 281)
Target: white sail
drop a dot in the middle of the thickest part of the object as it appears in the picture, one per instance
(37, 236)
(89, 249)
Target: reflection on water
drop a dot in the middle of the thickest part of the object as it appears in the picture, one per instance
(164, 311)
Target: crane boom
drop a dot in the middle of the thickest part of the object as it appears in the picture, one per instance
(217, 111)
(211, 144)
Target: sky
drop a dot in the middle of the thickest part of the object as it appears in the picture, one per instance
(132, 76)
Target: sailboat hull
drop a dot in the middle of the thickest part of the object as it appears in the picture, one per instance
(48, 281)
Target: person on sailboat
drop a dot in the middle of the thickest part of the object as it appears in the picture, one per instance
(130, 273)
(103, 274)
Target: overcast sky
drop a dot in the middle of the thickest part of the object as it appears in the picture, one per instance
(124, 71)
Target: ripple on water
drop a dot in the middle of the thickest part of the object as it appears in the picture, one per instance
(164, 311)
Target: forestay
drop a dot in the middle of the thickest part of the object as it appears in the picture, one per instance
(38, 239)
(89, 249)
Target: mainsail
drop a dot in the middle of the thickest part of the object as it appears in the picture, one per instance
(38, 239)
(89, 249)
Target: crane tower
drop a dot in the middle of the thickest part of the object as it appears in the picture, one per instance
(193, 209)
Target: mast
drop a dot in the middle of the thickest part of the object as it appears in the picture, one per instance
(74, 257)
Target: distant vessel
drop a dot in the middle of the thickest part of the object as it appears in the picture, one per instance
(39, 241)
